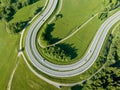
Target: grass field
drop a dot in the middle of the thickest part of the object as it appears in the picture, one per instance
(24, 79)
(75, 13)
(83, 38)
(26, 13)
(8, 53)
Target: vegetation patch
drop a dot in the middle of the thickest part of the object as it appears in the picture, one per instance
(62, 53)
(17, 26)
(109, 76)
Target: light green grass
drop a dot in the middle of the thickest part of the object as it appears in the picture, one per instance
(8, 53)
(75, 13)
(83, 38)
(24, 79)
(24, 14)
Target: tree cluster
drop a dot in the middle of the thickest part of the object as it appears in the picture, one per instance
(107, 79)
(61, 52)
(7, 12)
(16, 27)
(57, 53)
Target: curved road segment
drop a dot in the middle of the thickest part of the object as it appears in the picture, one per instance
(65, 70)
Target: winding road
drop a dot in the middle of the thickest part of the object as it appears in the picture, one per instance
(65, 70)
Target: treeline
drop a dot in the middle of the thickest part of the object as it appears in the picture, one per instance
(109, 6)
(107, 79)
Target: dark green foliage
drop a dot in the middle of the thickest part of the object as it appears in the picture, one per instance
(19, 5)
(107, 79)
(68, 50)
(38, 10)
(59, 16)
(63, 52)
(103, 15)
(108, 45)
(7, 12)
(76, 87)
(116, 57)
(46, 35)
(17, 26)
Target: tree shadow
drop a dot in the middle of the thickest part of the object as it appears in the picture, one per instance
(47, 34)
(28, 1)
(63, 51)
(69, 50)
(76, 87)
(32, 1)
(39, 9)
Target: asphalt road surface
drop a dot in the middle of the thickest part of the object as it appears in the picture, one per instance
(65, 70)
